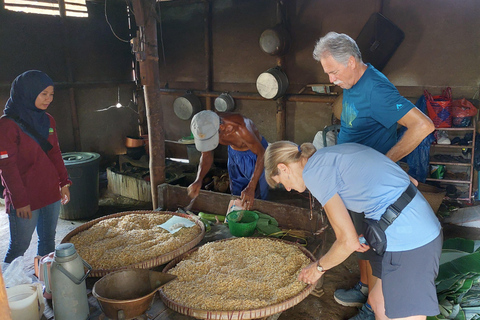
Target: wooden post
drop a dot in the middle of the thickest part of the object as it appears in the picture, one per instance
(150, 79)
(281, 116)
(207, 16)
(70, 78)
(281, 110)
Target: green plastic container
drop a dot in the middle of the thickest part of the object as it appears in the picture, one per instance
(246, 226)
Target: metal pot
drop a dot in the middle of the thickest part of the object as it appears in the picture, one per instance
(127, 294)
(275, 41)
(272, 84)
(134, 142)
(224, 103)
(185, 107)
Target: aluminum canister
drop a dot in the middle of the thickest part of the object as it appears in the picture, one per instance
(67, 281)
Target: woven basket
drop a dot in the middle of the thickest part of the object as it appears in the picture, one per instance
(236, 314)
(164, 258)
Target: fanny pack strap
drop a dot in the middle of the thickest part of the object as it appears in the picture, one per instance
(394, 210)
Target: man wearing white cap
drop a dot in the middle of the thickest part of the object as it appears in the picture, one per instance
(246, 148)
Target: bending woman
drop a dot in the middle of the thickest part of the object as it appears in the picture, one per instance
(31, 165)
(357, 178)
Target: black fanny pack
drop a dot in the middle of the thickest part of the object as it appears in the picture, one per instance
(375, 230)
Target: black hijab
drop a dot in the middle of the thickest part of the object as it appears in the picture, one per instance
(25, 90)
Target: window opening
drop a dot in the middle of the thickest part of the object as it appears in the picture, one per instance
(73, 8)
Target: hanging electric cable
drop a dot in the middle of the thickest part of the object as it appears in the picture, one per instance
(111, 28)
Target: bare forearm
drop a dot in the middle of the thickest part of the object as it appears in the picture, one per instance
(338, 253)
(347, 238)
(206, 161)
(257, 172)
(409, 141)
(418, 127)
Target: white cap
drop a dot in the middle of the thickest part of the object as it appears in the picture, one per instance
(204, 126)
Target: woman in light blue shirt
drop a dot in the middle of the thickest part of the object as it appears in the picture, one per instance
(358, 178)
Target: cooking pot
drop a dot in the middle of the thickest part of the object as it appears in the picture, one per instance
(136, 153)
(134, 142)
(224, 103)
(275, 41)
(185, 107)
(272, 84)
(127, 294)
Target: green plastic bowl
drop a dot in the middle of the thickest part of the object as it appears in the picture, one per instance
(246, 226)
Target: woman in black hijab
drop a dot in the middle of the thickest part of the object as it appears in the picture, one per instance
(31, 165)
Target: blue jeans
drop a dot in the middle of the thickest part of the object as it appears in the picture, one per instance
(21, 231)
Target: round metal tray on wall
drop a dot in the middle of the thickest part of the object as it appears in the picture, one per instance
(157, 261)
(275, 41)
(236, 314)
(272, 84)
(185, 107)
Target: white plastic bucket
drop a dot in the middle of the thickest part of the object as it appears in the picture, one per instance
(26, 301)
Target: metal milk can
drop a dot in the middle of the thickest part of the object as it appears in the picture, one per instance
(67, 284)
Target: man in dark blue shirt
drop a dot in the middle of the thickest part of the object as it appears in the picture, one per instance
(372, 108)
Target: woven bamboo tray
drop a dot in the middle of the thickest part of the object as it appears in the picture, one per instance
(236, 314)
(164, 258)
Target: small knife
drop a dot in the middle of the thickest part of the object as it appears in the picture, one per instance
(190, 205)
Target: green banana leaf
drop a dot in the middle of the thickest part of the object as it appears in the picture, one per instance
(472, 313)
(472, 297)
(467, 264)
(459, 244)
(458, 281)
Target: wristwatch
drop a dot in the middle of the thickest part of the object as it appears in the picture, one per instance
(320, 268)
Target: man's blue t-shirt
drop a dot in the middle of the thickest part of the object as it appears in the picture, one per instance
(371, 109)
(367, 181)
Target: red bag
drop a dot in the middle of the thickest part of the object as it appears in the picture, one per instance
(463, 108)
(439, 108)
(462, 112)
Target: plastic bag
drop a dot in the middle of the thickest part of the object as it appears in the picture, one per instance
(318, 139)
(437, 171)
(440, 108)
(418, 159)
(463, 108)
(15, 273)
